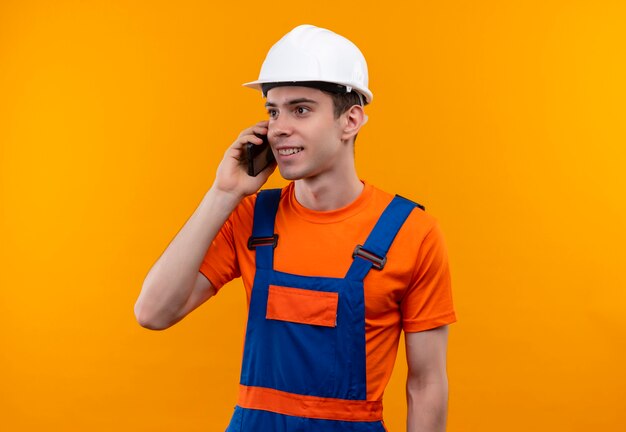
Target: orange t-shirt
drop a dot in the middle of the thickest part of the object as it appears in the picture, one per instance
(412, 292)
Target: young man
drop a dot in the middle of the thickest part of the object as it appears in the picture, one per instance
(334, 268)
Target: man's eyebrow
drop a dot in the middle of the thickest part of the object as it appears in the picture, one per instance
(292, 102)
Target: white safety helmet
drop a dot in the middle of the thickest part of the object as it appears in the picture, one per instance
(314, 57)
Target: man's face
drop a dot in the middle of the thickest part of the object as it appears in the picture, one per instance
(304, 134)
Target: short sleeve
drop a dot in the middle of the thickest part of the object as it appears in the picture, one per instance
(220, 262)
(427, 303)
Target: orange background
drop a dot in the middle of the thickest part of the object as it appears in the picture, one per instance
(506, 119)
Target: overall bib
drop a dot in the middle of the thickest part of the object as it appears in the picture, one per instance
(303, 365)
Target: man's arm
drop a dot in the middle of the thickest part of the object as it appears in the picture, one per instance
(427, 381)
(174, 286)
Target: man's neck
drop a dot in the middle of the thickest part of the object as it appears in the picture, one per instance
(319, 195)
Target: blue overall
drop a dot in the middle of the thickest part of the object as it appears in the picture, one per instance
(312, 363)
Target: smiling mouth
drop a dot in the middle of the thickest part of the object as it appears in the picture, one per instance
(290, 151)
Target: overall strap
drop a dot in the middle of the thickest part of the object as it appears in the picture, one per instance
(263, 238)
(374, 252)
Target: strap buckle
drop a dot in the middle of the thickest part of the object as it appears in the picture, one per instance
(377, 262)
(253, 242)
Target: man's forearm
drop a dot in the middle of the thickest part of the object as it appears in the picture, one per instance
(170, 282)
(173, 288)
(427, 405)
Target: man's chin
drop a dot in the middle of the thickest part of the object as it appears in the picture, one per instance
(289, 174)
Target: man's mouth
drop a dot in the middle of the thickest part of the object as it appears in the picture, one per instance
(289, 151)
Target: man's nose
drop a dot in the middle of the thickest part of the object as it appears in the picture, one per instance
(280, 126)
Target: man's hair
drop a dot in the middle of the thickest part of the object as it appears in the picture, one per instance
(343, 101)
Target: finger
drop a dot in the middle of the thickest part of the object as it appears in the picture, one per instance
(262, 124)
(261, 127)
(260, 130)
(252, 139)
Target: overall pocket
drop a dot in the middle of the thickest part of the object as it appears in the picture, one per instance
(298, 335)
(293, 347)
(302, 306)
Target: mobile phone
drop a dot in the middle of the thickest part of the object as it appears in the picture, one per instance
(258, 156)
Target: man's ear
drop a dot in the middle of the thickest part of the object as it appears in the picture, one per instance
(352, 120)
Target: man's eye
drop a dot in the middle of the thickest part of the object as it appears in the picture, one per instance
(302, 110)
(272, 113)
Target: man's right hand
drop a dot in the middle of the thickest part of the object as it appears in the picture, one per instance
(232, 176)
